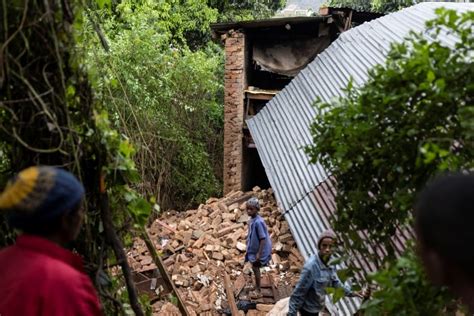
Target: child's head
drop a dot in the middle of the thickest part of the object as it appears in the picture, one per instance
(253, 206)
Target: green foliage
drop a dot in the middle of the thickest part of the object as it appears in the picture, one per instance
(412, 120)
(48, 116)
(381, 6)
(405, 291)
(385, 140)
(120, 172)
(238, 10)
(166, 99)
(182, 22)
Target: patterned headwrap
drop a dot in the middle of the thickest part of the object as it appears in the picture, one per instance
(40, 194)
(253, 202)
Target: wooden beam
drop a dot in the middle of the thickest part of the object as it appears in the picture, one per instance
(164, 274)
(260, 96)
(230, 295)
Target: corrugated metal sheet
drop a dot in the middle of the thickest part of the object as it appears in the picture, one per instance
(281, 130)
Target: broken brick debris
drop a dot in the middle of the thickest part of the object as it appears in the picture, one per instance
(198, 245)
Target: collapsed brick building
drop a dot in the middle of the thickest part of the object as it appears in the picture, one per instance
(261, 58)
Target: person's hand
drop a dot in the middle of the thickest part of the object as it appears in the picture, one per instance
(364, 294)
(257, 257)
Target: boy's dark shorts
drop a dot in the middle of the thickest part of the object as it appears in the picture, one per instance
(259, 264)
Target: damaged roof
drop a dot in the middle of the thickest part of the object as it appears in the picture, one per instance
(272, 22)
(280, 130)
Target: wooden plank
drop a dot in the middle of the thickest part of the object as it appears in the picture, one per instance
(164, 225)
(260, 96)
(239, 285)
(230, 295)
(240, 199)
(163, 272)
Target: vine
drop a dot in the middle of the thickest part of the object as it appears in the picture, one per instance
(48, 116)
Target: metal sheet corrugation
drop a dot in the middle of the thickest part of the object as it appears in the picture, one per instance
(281, 130)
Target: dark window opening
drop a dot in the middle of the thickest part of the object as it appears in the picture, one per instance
(253, 170)
(253, 106)
(267, 80)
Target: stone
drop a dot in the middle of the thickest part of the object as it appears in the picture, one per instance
(241, 247)
(285, 238)
(212, 200)
(170, 310)
(276, 259)
(217, 256)
(197, 234)
(244, 218)
(227, 230)
(196, 269)
(265, 307)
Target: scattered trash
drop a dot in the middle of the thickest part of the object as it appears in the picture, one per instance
(203, 279)
(164, 242)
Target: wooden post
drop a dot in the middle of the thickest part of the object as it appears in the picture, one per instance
(159, 264)
(230, 295)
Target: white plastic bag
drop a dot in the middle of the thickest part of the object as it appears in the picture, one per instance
(282, 306)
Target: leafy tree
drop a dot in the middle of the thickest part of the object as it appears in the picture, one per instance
(166, 99)
(414, 118)
(411, 120)
(48, 115)
(407, 292)
(238, 10)
(382, 6)
(181, 22)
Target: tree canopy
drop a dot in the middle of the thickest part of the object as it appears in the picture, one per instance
(383, 141)
(235, 10)
(381, 6)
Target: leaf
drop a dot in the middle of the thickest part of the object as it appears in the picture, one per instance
(140, 210)
(103, 3)
(430, 77)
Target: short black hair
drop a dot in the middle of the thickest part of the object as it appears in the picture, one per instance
(444, 216)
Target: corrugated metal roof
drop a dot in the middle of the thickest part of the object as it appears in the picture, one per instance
(281, 129)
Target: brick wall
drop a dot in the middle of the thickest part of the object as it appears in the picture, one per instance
(234, 85)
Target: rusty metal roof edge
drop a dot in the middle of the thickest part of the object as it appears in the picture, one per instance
(253, 24)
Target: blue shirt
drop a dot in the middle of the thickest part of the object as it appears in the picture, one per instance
(258, 231)
(309, 293)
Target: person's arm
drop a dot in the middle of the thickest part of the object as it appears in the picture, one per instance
(260, 249)
(261, 239)
(299, 293)
(336, 283)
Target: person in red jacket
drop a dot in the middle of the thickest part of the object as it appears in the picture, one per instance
(38, 276)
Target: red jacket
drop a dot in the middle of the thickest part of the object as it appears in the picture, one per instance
(40, 278)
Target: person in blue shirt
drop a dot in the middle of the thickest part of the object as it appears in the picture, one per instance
(317, 275)
(259, 244)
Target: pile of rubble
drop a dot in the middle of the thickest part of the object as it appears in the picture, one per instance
(198, 245)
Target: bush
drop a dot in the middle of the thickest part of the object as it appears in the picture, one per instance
(412, 120)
